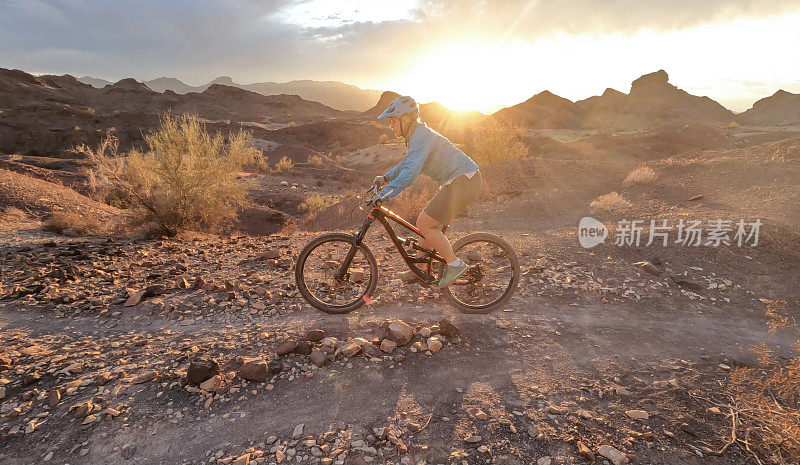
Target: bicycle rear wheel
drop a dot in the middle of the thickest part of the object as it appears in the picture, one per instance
(491, 278)
(318, 264)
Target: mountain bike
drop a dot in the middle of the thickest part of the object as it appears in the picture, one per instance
(337, 273)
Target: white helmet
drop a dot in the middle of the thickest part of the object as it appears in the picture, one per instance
(401, 106)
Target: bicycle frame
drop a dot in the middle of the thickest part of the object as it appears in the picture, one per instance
(383, 215)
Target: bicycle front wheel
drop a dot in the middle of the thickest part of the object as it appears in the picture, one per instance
(318, 265)
(491, 278)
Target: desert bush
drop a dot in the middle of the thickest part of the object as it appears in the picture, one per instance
(258, 163)
(284, 164)
(497, 141)
(71, 223)
(763, 402)
(384, 138)
(612, 202)
(639, 176)
(316, 202)
(315, 160)
(187, 179)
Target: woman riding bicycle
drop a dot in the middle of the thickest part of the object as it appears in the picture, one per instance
(432, 154)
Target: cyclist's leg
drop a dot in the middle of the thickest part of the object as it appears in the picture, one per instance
(434, 237)
(445, 205)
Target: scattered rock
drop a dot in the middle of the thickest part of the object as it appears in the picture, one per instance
(254, 370)
(638, 414)
(687, 283)
(474, 439)
(400, 332)
(648, 267)
(53, 398)
(135, 298)
(448, 330)
(585, 452)
(388, 345)
(298, 431)
(269, 254)
(286, 348)
(434, 344)
(201, 369)
(303, 348)
(212, 384)
(546, 460)
(695, 197)
(242, 460)
(616, 457)
(145, 377)
(351, 349)
(315, 335)
(318, 357)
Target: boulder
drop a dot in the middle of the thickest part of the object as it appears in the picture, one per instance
(201, 369)
(318, 357)
(400, 332)
(286, 348)
(254, 369)
(447, 329)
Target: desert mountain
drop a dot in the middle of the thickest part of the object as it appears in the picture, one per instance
(331, 93)
(383, 102)
(95, 82)
(780, 108)
(48, 114)
(544, 110)
(652, 101)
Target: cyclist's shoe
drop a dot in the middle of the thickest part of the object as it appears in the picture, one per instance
(451, 273)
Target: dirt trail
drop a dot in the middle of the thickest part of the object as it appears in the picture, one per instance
(557, 348)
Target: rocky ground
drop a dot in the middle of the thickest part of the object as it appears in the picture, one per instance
(200, 350)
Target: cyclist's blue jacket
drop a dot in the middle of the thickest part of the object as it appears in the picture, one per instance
(428, 153)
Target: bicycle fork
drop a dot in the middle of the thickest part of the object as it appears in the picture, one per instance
(357, 241)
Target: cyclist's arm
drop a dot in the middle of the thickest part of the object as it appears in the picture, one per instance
(392, 173)
(404, 174)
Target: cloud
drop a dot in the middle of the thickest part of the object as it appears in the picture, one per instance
(251, 40)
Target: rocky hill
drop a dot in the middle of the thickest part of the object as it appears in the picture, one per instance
(331, 93)
(778, 109)
(652, 101)
(45, 115)
(544, 110)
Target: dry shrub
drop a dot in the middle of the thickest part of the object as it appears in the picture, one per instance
(497, 141)
(258, 163)
(315, 160)
(316, 202)
(640, 176)
(284, 164)
(186, 180)
(71, 223)
(764, 405)
(612, 202)
(512, 177)
(384, 138)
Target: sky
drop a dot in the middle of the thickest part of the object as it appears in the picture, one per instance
(465, 54)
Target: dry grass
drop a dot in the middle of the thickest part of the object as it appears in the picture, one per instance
(496, 141)
(71, 224)
(763, 403)
(315, 160)
(284, 164)
(186, 180)
(640, 176)
(612, 202)
(316, 202)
